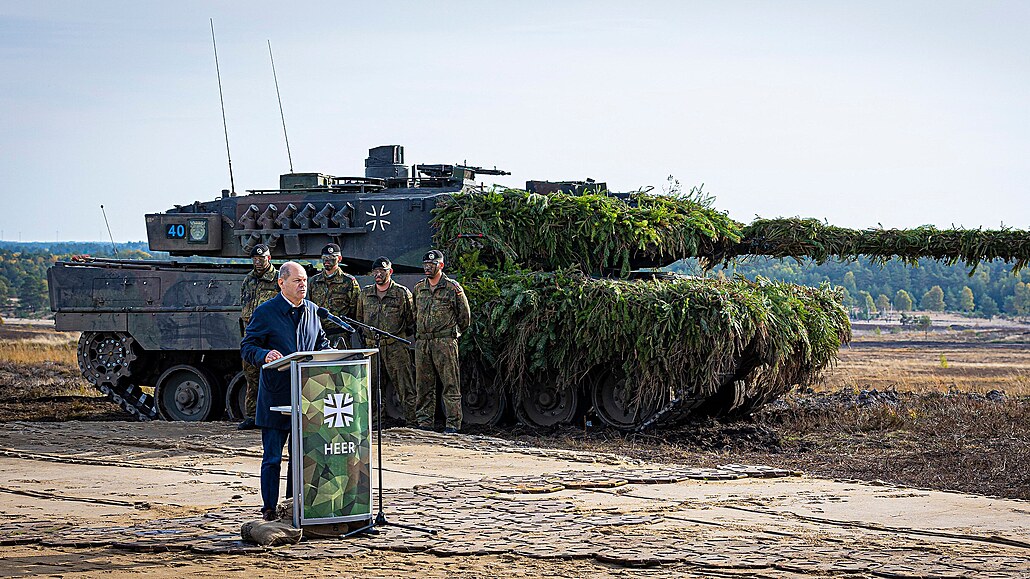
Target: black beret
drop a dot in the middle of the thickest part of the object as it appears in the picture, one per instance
(433, 255)
(259, 249)
(331, 249)
(382, 262)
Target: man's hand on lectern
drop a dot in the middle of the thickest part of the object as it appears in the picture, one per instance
(272, 356)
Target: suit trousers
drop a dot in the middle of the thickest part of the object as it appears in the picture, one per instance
(272, 441)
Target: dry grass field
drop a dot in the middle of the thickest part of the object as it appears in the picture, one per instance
(40, 379)
(921, 368)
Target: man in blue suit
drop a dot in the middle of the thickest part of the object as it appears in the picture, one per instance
(283, 325)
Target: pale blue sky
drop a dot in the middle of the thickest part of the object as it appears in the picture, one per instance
(900, 113)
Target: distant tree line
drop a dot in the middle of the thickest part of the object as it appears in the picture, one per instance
(871, 289)
(23, 285)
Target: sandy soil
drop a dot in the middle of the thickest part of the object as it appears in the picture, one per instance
(83, 499)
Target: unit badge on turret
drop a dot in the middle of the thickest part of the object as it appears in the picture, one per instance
(198, 231)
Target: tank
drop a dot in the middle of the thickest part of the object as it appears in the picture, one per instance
(572, 319)
(161, 338)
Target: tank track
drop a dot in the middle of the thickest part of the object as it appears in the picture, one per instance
(673, 413)
(105, 359)
(131, 398)
(730, 397)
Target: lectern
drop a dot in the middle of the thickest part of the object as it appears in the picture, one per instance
(330, 439)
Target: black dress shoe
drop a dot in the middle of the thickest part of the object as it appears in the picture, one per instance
(269, 515)
(247, 424)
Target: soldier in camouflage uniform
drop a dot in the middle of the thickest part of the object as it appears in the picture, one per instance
(387, 305)
(258, 287)
(441, 314)
(334, 290)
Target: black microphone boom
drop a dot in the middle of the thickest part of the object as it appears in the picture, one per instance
(325, 315)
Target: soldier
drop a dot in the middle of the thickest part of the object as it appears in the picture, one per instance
(334, 289)
(258, 287)
(387, 305)
(441, 314)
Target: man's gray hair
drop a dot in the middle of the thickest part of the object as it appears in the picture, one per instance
(286, 268)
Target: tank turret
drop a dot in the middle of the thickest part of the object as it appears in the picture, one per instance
(388, 211)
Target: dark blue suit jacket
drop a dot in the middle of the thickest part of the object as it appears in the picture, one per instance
(272, 328)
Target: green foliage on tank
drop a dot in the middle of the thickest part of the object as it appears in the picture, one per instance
(672, 342)
(596, 231)
(601, 232)
(684, 336)
(547, 274)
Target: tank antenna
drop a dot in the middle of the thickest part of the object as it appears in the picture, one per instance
(232, 184)
(281, 115)
(108, 224)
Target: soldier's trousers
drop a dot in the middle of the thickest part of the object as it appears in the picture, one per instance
(396, 360)
(437, 359)
(253, 375)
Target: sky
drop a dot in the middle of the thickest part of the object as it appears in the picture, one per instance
(860, 113)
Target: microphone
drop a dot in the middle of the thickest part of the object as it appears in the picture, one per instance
(325, 315)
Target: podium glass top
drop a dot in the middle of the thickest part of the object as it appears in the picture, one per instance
(318, 356)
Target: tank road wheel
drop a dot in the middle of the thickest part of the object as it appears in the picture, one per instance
(188, 393)
(616, 405)
(105, 356)
(236, 397)
(544, 404)
(483, 405)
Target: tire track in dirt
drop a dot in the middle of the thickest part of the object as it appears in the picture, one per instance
(94, 500)
(992, 539)
(55, 458)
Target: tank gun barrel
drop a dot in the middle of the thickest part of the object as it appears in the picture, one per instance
(796, 237)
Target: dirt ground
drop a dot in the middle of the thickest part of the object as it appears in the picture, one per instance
(168, 499)
(915, 454)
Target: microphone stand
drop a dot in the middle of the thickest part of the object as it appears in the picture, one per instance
(380, 519)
